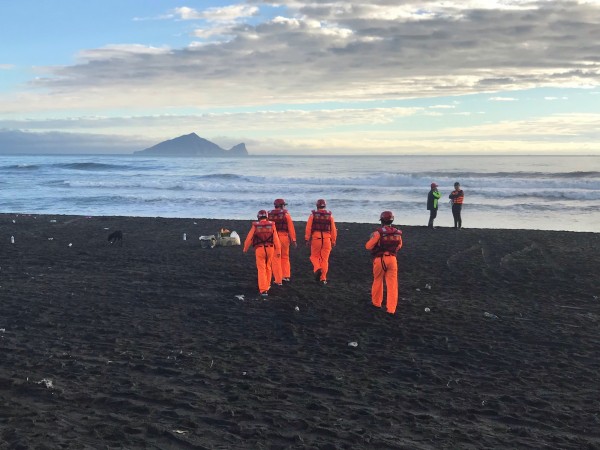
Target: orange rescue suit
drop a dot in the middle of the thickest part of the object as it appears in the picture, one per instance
(263, 237)
(322, 235)
(287, 235)
(384, 243)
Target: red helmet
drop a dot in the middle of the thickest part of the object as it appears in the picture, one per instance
(321, 203)
(261, 214)
(279, 202)
(386, 216)
(433, 185)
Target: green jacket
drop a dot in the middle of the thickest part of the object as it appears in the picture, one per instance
(432, 199)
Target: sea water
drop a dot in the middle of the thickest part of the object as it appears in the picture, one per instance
(528, 192)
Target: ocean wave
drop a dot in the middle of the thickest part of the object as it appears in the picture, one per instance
(15, 167)
(509, 175)
(222, 176)
(563, 194)
(91, 166)
(444, 180)
(542, 194)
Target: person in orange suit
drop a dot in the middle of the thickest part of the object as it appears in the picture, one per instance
(287, 235)
(321, 235)
(263, 237)
(384, 243)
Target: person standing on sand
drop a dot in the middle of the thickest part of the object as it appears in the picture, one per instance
(287, 235)
(432, 203)
(263, 237)
(321, 236)
(384, 244)
(456, 198)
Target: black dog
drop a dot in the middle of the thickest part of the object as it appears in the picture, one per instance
(116, 236)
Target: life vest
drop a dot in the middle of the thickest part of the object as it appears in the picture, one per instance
(458, 200)
(263, 234)
(279, 217)
(321, 220)
(389, 241)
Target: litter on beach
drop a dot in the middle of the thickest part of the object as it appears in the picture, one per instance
(224, 238)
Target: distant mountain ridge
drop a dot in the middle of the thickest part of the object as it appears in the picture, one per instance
(192, 145)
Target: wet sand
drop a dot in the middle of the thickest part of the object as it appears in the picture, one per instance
(148, 346)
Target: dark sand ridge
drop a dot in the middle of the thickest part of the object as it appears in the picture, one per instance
(147, 346)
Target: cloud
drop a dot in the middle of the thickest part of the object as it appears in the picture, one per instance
(244, 57)
(165, 125)
(442, 106)
(7, 66)
(226, 14)
(19, 142)
(341, 51)
(291, 132)
(503, 99)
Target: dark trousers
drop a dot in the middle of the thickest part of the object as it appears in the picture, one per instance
(432, 215)
(456, 208)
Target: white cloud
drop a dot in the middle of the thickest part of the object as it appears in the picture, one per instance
(185, 13)
(328, 51)
(341, 51)
(309, 132)
(442, 107)
(7, 66)
(121, 51)
(503, 99)
(226, 14)
(284, 121)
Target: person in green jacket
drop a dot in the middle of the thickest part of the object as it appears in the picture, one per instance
(432, 203)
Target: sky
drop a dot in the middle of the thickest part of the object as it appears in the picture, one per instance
(302, 76)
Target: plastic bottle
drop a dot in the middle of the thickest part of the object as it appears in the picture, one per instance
(12, 239)
(490, 315)
(184, 236)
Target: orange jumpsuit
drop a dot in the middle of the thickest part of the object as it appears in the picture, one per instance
(322, 234)
(287, 235)
(263, 237)
(384, 243)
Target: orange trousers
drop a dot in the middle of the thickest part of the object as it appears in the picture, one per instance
(320, 249)
(281, 266)
(264, 260)
(385, 267)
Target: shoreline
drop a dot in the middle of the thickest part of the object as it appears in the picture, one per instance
(303, 222)
(149, 344)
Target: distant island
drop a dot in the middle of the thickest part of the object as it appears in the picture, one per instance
(192, 145)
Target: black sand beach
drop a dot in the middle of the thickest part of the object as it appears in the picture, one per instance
(147, 346)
